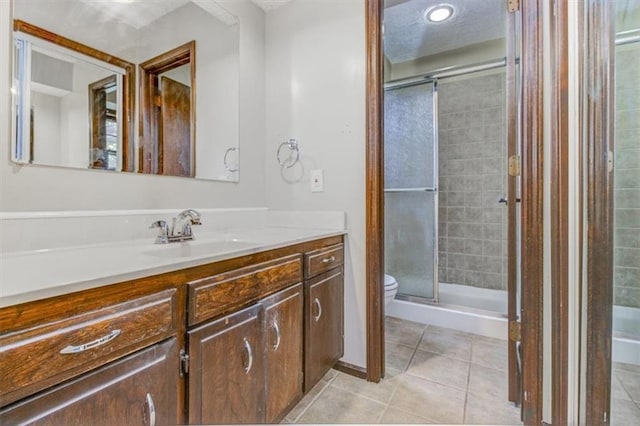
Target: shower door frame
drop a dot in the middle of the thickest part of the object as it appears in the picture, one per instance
(433, 189)
(531, 18)
(433, 78)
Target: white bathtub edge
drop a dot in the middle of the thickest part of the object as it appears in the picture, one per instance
(470, 322)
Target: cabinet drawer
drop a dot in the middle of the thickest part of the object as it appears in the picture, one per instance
(222, 293)
(323, 260)
(36, 358)
(130, 391)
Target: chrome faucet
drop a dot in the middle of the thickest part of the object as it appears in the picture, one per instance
(180, 229)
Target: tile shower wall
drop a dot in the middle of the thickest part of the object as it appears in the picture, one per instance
(627, 177)
(472, 178)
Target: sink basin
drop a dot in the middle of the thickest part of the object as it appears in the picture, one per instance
(199, 248)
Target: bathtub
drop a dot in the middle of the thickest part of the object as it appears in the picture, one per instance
(626, 334)
(461, 307)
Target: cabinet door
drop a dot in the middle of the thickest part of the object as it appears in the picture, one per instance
(324, 304)
(284, 345)
(226, 377)
(140, 389)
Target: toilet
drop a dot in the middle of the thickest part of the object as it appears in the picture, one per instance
(390, 289)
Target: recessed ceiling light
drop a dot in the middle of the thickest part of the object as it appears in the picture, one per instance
(439, 13)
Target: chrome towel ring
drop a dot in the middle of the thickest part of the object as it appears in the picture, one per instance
(226, 164)
(294, 153)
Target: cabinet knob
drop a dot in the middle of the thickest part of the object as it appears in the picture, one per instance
(329, 259)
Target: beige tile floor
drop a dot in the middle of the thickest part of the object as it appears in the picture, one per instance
(625, 395)
(434, 375)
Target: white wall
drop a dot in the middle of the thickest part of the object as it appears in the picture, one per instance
(217, 83)
(46, 128)
(316, 93)
(33, 188)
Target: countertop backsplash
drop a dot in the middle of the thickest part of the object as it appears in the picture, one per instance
(28, 231)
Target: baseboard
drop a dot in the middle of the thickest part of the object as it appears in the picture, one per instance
(350, 369)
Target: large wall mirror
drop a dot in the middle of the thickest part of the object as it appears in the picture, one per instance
(137, 86)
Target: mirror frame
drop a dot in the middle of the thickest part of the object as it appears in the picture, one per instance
(128, 92)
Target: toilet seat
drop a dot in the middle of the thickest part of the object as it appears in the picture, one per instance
(390, 283)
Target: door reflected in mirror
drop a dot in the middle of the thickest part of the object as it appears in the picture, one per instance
(104, 121)
(167, 90)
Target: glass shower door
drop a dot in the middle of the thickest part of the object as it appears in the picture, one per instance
(410, 189)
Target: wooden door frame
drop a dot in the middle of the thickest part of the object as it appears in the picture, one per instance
(149, 71)
(532, 202)
(559, 207)
(375, 192)
(597, 92)
(532, 210)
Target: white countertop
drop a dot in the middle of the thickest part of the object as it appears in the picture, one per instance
(39, 274)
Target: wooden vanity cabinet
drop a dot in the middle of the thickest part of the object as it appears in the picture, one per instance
(226, 370)
(235, 341)
(324, 313)
(246, 367)
(283, 330)
(139, 389)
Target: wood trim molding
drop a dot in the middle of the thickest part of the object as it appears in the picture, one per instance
(129, 80)
(559, 146)
(374, 193)
(598, 91)
(350, 369)
(532, 210)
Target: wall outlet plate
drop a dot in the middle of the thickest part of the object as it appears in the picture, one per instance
(317, 180)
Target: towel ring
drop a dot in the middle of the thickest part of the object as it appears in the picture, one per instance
(226, 165)
(292, 144)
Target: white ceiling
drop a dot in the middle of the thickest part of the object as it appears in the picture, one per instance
(407, 36)
(140, 13)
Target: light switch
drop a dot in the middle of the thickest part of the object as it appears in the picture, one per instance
(317, 180)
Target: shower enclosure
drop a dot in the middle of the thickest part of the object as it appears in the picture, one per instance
(625, 402)
(411, 197)
(445, 174)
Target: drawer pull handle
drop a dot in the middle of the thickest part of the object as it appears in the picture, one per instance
(152, 410)
(329, 259)
(316, 302)
(247, 348)
(276, 329)
(98, 342)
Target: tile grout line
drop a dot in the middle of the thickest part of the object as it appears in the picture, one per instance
(621, 383)
(360, 395)
(386, 408)
(304, 410)
(466, 394)
(413, 354)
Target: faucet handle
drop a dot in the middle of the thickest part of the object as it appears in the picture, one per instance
(163, 233)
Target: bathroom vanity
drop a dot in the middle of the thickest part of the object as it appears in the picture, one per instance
(234, 338)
